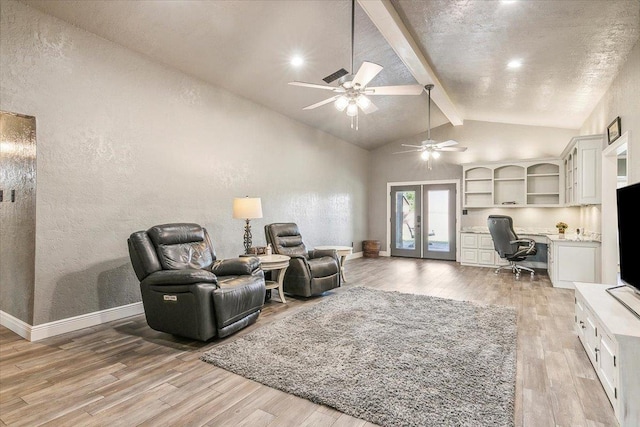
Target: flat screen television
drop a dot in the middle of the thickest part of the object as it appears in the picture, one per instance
(629, 243)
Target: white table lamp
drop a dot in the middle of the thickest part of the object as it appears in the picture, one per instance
(247, 208)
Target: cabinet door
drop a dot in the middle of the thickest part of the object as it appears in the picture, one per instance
(589, 156)
(580, 320)
(469, 256)
(591, 338)
(469, 240)
(576, 263)
(485, 256)
(607, 365)
(486, 242)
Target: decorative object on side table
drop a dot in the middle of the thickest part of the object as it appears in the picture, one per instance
(247, 208)
(613, 130)
(561, 226)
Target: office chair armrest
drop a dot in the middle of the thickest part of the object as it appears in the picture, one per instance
(529, 242)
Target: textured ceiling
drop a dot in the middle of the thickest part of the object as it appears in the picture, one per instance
(571, 51)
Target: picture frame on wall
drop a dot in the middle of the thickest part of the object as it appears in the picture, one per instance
(613, 130)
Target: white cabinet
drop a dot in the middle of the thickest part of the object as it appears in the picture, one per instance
(469, 248)
(477, 249)
(610, 335)
(573, 261)
(514, 184)
(582, 164)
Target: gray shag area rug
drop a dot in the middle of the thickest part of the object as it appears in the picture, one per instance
(390, 358)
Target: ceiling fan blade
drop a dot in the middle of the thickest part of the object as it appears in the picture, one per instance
(446, 143)
(370, 108)
(415, 146)
(395, 90)
(321, 103)
(366, 73)
(406, 151)
(452, 149)
(315, 86)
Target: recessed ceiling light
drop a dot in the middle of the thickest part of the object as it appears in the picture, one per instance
(515, 63)
(297, 61)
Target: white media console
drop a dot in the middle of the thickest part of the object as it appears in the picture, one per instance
(610, 334)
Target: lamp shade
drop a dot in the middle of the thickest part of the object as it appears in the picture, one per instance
(247, 207)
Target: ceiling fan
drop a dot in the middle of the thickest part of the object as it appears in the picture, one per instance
(352, 91)
(430, 149)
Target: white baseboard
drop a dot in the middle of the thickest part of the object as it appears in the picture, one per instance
(62, 326)
(384, 253)
(16, 325)
(354, 255)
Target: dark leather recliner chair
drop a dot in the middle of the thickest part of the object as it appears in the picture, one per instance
(310, 273)
(509, 246)
(186, 291)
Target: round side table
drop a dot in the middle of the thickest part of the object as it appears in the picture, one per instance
(278, 264)
(343, 253)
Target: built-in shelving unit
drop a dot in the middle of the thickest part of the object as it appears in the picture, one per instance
(514, 184)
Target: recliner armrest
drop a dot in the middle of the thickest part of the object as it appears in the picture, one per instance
(236, 266)
(319, 253)
(180, 277)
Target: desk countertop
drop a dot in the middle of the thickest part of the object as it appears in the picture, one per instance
(550, 234)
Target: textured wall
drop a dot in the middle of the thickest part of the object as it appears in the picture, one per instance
(622, 99)
(18, 218)
(125, 143)
(486, 141)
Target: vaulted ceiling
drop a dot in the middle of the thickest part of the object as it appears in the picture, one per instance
(570, 53)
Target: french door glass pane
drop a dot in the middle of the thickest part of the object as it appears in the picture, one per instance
(438, 220)
(405, 220)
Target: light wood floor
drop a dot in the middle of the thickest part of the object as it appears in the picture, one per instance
(125, 374)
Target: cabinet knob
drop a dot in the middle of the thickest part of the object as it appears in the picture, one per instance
(596, 349)
(582, 325)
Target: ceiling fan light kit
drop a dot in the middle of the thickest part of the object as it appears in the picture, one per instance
(352, 89)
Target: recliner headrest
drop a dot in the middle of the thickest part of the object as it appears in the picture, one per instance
(172, 234)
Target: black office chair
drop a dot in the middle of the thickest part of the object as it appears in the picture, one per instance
(509, 246)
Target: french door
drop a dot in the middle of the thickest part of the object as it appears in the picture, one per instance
(423, 221)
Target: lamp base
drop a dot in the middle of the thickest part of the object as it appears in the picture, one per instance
(247, 237)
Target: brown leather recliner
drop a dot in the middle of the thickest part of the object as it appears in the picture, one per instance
(311, 272)
(186, 291)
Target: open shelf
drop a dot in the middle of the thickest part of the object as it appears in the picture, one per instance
(517, 184)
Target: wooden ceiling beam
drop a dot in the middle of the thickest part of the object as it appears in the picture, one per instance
(386, 19)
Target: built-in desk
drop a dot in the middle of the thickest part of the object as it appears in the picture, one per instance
(567, 260)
